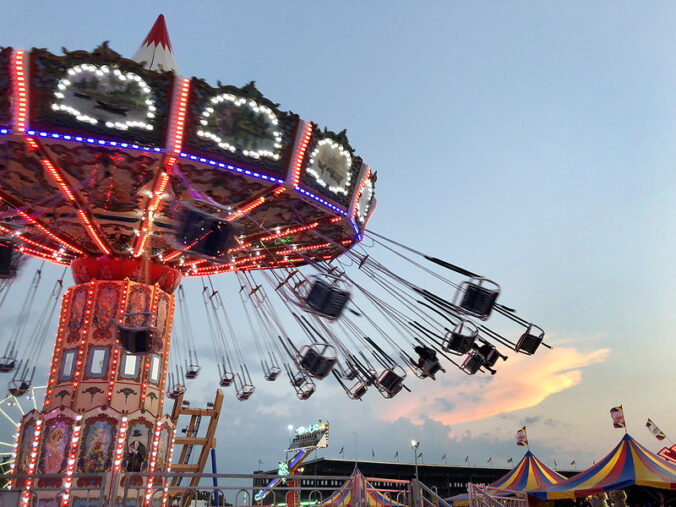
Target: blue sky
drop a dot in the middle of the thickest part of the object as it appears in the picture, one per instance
(532, 141)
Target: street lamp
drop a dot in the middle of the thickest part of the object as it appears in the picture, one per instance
(414, 446)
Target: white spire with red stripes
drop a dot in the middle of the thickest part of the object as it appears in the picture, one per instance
(156, 49)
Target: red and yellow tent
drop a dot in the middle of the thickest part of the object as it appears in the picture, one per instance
(358, 489)
(629, 463)
(529, 474)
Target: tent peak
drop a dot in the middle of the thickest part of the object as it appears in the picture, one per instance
(156, 50)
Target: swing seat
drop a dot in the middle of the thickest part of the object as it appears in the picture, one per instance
(390, 382)
(305, 391)
(317, 360)
(137, 339)
(490, 354)
(357, 391)
(477, 297)
(298, 380)
(272, 373)
(430, 368)
(7, 364)
(473, 362)
(226, 379)
(246, 392)
(176, 391)
(192, 371)
(529, 341)
(326, 300)
(18, 388)
(459, 341)
(9, 261)
(204, 234)
(350, 374)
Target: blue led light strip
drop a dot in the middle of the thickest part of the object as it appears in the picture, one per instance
(233, 168)
(321, 201)
(356, 229)
(91, 140)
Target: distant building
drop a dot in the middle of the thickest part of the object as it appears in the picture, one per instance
(448, 480)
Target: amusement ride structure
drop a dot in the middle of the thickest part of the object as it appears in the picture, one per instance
(136, 178)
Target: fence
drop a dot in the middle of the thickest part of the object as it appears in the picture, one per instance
(89, 489)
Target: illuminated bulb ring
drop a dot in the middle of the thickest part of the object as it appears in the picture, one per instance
(114, 73)
(253, 106)
(341, 152)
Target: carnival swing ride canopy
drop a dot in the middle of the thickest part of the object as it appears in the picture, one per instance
(628, 464)
(529, 474)
(122, 168)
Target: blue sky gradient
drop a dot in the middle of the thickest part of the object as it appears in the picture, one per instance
(531, 141)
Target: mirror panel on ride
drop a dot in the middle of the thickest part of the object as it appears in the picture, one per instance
(239, 126)
(330, 167)
(99, 94)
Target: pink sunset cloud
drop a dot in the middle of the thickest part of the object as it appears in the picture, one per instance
(521, 382)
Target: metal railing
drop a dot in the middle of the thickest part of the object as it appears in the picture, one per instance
(487, 496)
(51, 486)
(241, 489)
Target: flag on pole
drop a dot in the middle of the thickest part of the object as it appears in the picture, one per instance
(509, 460)
(618, 417)
(466, 459)
(444, 459)
(521, 437)
(396, 454)
(490, 459)
(659, 434)
(420, 455)
(342, 451)
(260, 462)
(373, 454)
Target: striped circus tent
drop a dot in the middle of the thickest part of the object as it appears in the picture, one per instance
(628, 464)
(357, 490)
(529, 474)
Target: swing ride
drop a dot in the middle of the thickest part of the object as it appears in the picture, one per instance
(138, 178)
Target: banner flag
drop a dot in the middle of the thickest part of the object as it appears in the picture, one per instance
(521, 437)
(659, 434)
(618, 417)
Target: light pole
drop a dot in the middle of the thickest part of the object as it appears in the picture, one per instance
(414, 445)
(356, 447)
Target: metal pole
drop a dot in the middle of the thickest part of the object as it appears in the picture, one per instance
(415, 454)
(215, 479)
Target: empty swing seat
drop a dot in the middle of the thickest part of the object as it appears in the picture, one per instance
(460, 340)
(358, 390)
(477, 297)
(246, 392)
(226, 379)
(192, 371)
(176, 391)
(314, 359)
(473, 362)
(7, 364)
(272, 373)
(204, 234)
(529, 341)
(137, 339)
(9, 261)
(390, 382)
(326, 300)
(305, 391)
(18, 388)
